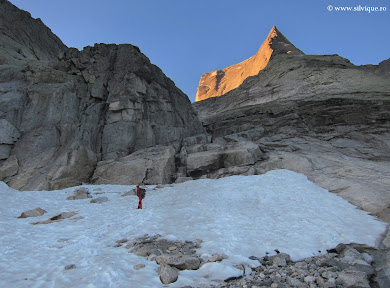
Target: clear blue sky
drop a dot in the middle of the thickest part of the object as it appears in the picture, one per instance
(187, 38)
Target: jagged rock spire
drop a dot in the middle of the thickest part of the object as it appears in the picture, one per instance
(219, 82)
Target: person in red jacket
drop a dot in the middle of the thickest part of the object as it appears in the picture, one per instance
(139, 197)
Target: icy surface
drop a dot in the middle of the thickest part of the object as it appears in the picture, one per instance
(239, 216)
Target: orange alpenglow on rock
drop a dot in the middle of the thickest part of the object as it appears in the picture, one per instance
(219, 82)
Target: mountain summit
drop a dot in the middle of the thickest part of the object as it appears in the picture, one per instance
(219, 82)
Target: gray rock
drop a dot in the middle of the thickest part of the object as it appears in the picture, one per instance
(280, 260)
(350, 254)
(352, 279)
(211, 157)
(218, 257)
(181, 262)
(122, 241)
(241, 154)
(71, 266)
(80, 193)
(33, 213)
(293, 282)
(8, 133)
(139, 266)
(167, 274)
(63, 215)
(309, 279)
(149, 166)
(99, 200)
(56, 218)
(340, 247)
(204, 161)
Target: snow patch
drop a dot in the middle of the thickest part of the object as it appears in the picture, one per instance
(240, 216)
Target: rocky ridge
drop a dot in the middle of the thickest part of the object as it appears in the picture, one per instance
(30, 39)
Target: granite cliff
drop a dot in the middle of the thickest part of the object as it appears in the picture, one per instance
(63, 112)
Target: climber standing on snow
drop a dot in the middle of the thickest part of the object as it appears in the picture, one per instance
(140, 193)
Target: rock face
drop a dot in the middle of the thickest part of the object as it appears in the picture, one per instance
(62, 111)
(148, 166)
(219, 82)
(200, 159)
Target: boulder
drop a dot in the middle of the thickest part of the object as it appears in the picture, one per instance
(57, 218)
(218, 257)
(241, 154)
(167, 274)
(33, 213)
(70, 267)
(353, 279)
(293, 282)
(149, 166)
(181, 262)
(204, 161)
(280, 259)
(139, 266)
(63, 215)
(5, 151)
(211, 157)
(80, 193)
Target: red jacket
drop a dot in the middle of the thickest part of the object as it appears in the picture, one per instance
(138, 191)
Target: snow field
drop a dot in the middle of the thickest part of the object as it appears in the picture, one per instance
(239, 216)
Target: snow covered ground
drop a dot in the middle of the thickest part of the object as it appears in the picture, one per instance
(240, 216)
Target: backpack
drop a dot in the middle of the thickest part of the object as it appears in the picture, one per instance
(142, 193)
